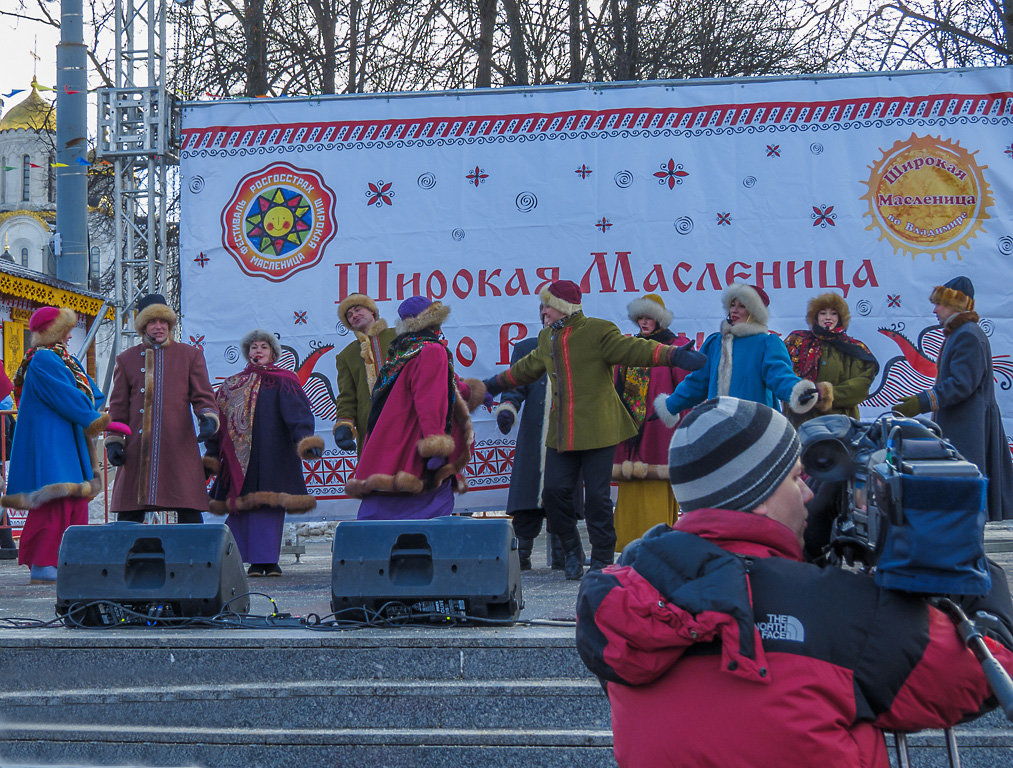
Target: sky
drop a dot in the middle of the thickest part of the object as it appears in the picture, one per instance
(17, 40)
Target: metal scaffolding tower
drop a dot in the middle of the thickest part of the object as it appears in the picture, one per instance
(135, 133)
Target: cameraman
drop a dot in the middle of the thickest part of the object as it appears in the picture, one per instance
(719, 645)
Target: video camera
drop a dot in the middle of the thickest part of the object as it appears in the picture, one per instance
(908, 506)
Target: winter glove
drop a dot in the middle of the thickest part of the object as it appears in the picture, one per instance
(435, 463)
(343, 437)
(807, 397)
(909, 406)
(115, 453)
(206, 427)
(687, 358)
(488, 401)
(491, 387)
(505, 420)
(119, 427)
(313, 453)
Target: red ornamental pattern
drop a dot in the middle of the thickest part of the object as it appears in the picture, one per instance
(380, 194)
(477, 176)
(671, 173)
(823, 216)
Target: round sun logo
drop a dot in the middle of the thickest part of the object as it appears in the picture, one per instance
(928, 195)
(278, 221)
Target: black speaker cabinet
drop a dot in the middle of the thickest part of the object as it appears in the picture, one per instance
(426, 570)
(161, 571)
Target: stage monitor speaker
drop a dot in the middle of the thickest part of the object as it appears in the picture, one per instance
(426, 570)
(120, 570)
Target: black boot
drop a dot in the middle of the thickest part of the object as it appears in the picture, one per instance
(600, 559)
(556, 556)
(573, 565)
(524, 547)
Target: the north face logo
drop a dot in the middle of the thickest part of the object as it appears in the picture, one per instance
(779, 626)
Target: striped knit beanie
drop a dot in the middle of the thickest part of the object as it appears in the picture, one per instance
(730, 454)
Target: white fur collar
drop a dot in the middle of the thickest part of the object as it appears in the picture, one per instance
(748, 328)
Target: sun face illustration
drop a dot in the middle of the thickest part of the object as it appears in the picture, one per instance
(278, 221)
(928, 195)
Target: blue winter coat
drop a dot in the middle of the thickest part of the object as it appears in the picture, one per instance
(760, 370)
(52, 457)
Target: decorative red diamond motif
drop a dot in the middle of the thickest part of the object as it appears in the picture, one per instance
(671, 173)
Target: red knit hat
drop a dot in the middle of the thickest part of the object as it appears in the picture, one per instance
(42, 318)
(762, 294)
(562, 295)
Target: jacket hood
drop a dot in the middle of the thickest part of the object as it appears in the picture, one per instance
(832, 301)
(744, 533)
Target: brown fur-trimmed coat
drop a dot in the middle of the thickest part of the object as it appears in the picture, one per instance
(155, 392)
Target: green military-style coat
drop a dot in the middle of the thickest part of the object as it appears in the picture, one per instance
(586, 411)
(358, 365)
(851, 379)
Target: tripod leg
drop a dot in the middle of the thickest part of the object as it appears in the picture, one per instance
(900, 744)
(951, 748)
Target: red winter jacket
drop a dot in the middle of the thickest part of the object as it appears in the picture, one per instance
(760, 659)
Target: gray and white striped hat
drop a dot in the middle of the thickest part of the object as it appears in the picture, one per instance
(730, 454)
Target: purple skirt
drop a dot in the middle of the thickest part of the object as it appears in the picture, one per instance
(438, 502)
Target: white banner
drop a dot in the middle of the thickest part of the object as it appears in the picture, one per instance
(879, 187)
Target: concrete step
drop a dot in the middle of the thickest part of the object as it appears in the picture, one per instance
(494, 704)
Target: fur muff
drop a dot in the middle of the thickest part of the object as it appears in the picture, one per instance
(951, 298)
(290, 502)
(750, 299)
(356, 300)
(668, 418)
(307, 444)
(476, 393)
(98, 426)
(826, 398)
(557, 303)
(212, 466)
(430, 317)
(832, 301)
(435, 445)
(645, 307)
(505, 406)
(56, 330)
(802, 388)
(155, 312)
(260, 335)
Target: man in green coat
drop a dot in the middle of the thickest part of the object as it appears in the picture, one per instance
(358, 365)
(587, 419)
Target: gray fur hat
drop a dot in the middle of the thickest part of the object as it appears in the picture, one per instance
(260, 335)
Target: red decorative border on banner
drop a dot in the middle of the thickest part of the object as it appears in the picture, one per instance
(489, 469)
(714, 116)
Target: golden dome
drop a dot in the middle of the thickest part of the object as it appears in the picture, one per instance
(32, 113)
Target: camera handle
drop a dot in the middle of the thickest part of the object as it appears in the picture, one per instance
(998, 680)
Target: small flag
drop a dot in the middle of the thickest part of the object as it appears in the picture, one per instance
(59, 165)
(82, 161)
(40, 87)
(33, 165)
(8, 168)
(68, 89)
(104, 162)
(14, 92)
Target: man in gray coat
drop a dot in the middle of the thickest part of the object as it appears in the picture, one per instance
(963, 396)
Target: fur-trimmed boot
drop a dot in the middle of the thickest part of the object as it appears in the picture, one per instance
(573, 560)
(524, 547)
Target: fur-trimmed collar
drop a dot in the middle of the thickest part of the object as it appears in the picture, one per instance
(953, 322)
(739, 330)
(374, 330)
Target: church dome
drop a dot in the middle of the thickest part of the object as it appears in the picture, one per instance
(32, 113)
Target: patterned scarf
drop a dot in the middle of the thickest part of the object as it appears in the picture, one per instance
(632, 381)
(402, 350)
(805, 348)
(237, 404)
(80, 377)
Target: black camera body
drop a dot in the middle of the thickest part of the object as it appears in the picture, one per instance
(909, 508)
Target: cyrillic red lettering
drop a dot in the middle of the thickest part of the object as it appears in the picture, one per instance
(416, 285)
(467, 345)
(709, 271)
(548, 275)
(485, 282)
(838, 274)
(608, 282)
(507, 339)
(381, 289)
(807, 269)
(677, 280)
(733, 276)
(468, 279)
(865, 275)
(659, 283)
(774, 274)
(441, 282)
(517, 284)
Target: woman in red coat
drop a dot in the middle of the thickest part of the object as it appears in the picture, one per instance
(641, 462)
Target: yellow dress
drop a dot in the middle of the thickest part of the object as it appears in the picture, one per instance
(640, 505)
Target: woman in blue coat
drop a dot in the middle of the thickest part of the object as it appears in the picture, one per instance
(744, 360)
(54, 465)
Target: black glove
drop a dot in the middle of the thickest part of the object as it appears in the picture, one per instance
(343, 437)
(206, 427)
(115, 453)
(687, 358)
(313, 453)
(491, 386)
(505, 420)
(809, 396)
